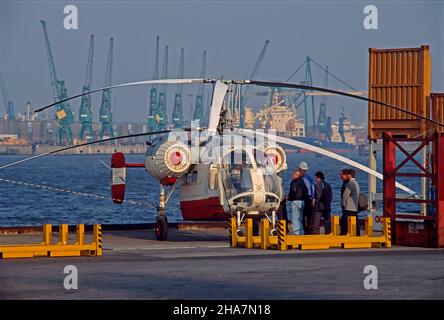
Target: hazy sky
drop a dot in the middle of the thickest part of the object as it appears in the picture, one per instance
(233, 32)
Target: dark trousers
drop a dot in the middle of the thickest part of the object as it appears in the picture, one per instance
(282, 212)
(314, 222)
(327, 220)
(344, 221)
(308, 217)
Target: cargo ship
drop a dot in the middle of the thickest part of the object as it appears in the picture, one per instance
(333, 146)
(339, 137)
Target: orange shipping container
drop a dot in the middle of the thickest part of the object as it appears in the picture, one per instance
(400, 77)
(437, 109)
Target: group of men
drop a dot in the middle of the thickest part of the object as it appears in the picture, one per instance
(310, 199)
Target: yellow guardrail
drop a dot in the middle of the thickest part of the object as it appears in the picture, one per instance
(60, 249)
(283, 241)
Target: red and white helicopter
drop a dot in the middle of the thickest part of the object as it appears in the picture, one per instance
(220, 171)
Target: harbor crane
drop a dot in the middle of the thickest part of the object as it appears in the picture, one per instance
(162, 116)
(324, 122)
(106, 117)
(244, 97)
(199, 114)
(64, 114)
(85, 112)
(178, 110)
(301, 96)
(9, 105)
(153, 110)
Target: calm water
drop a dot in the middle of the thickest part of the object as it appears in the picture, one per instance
(26, 205)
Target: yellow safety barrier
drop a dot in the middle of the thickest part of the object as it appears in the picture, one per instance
(60, 249)
(283, 241)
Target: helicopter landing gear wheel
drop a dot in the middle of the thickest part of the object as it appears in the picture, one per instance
(161, 228)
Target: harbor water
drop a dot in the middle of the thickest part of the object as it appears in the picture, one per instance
(76, 189)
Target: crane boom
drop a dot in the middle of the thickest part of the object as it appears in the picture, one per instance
(153, 110)
(178, 110)
(106, 116)
(85, 112)
(9, 105)
(253, 75)
(199, 114)
(162, 116)
(64, 114)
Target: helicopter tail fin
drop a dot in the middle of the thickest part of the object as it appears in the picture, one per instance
(118, 177)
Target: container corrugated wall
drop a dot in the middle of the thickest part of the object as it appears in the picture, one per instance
(400, 77)
(437, 109)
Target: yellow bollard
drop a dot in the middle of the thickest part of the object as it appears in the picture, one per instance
(63, 234)
(335, 229)
(387, 229)
(80, 230)
(265, 229)
(98, 239)
(369, 226)
(351, 226)
(232, 227)
(47, 234)
(249, 233)
(282, 234)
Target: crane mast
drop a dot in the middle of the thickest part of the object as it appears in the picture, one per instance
(85, 112)
(162, 116)
(199, 114)
(247, 90)
(153, 110)
(324, 122)
(9, 105)
(64, 114)
(178, 110)
(106, 116)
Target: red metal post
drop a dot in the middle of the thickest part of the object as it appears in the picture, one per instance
(439, 181)
(389, 183)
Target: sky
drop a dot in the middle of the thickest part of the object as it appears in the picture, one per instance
(233, 33)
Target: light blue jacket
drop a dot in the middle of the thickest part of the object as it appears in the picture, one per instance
(309, 182)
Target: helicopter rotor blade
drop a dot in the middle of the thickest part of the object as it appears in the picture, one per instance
(127, 84)
(327, 153)
(220, 89)
(341, 93)
(86, 144)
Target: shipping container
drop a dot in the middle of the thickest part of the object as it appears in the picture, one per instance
(437, 110)
(400, 77)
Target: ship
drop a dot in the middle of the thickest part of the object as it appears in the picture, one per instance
(339, 137)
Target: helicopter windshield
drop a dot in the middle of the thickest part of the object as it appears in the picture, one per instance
(238, 173)
(267, 168)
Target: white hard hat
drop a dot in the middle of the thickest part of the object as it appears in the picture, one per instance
(303, 165)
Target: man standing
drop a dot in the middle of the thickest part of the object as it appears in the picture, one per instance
(297, 198)
(310, 201)
(349, 199)
(324, 198)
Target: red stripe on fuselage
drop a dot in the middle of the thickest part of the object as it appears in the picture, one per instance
(203, 209)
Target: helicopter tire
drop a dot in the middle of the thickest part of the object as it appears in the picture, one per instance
(161, 230)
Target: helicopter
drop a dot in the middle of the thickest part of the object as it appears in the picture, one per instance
(221, 171)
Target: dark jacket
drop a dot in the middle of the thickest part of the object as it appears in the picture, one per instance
(298, 190)
(323, 196)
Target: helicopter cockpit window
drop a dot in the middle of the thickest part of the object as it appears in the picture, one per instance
(238, 173)
(194, 177)
(267, 168)
(191, 177)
